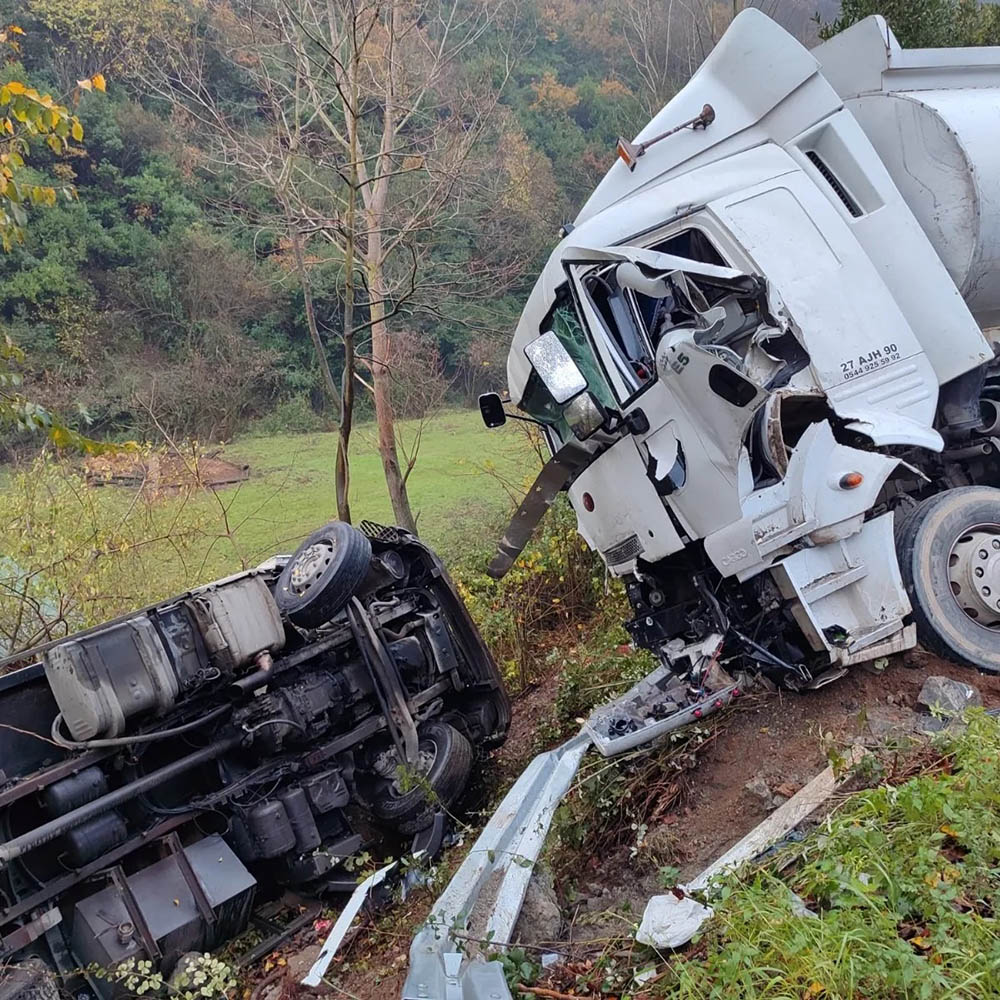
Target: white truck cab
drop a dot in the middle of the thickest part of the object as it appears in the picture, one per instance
(766, 339)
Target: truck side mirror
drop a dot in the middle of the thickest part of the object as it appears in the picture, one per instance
(491, 407)
(585, 415)
(557, 370)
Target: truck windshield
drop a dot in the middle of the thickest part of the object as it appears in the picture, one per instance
(617, 308)
(628, 324)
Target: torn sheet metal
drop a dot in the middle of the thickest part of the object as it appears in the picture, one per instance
(660, 703)
(484, 898)
(336, 936)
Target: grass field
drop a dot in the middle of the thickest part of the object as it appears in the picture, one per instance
(457, 489)
(95, 553)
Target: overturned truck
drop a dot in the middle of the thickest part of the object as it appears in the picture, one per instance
(763, 358)
(162, 771)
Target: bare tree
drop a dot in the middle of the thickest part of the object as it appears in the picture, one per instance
(667, 40)
(360, 119)
(647, 28)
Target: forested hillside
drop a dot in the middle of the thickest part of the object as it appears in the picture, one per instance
(168, 293)
(293, 214)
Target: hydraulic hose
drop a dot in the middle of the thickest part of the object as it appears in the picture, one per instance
(127, 741)
(56, 827)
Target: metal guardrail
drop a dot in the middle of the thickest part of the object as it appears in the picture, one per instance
(488, 889)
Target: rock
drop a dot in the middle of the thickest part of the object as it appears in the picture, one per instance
(948, 696)
(935, 724)
(300, 962)
(759, 789)
(890, 720)
(541, 919)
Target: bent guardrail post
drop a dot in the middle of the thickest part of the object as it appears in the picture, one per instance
(487, 891)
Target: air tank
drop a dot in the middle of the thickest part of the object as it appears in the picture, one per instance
(942, 149)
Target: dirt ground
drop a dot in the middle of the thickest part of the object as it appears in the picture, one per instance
(774, 742)
(162, 472)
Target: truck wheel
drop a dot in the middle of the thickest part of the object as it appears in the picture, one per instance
(408, 802)
(949, 558)
(323, 574)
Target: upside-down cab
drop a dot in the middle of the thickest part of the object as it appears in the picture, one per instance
(164, 772)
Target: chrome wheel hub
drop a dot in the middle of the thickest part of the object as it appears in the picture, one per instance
(309, 567)
(974, 573)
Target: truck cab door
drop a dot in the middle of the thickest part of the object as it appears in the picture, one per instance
(696, 405)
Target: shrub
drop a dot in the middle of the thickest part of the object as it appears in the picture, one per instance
(903, 882)
(75, 555)
(556, 581)
(292, 416)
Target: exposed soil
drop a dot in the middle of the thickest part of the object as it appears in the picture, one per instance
(780, 739)
(162, 472)
(775, 740)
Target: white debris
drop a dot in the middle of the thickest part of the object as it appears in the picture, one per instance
(333, 941)
(670, 921)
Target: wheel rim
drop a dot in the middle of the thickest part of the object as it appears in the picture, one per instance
(974, 574)
(311, 565)
(401, 779)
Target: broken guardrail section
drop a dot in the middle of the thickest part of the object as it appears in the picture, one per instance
(480, 906)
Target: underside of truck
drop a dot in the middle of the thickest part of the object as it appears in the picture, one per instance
(166, 772)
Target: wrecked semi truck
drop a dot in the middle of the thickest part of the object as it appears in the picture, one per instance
(165, 772)
(763, 359)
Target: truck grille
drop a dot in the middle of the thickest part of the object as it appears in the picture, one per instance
(378, 532)
(623, 551)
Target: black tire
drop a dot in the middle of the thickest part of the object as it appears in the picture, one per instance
(926, 544)
(412, 810)
(324, 573)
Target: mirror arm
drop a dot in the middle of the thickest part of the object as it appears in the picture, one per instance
(524, 420)
(514, 416)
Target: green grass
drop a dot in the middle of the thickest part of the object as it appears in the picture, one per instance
(457, 488)
(904, 884)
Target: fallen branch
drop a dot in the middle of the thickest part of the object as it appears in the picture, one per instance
(540, 991)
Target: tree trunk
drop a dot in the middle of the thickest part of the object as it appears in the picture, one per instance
(343, 473)
(347, 379)
(375, 205)
(385, 418)
(342, 468)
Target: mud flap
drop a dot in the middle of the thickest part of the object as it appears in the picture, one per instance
(554, 477)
